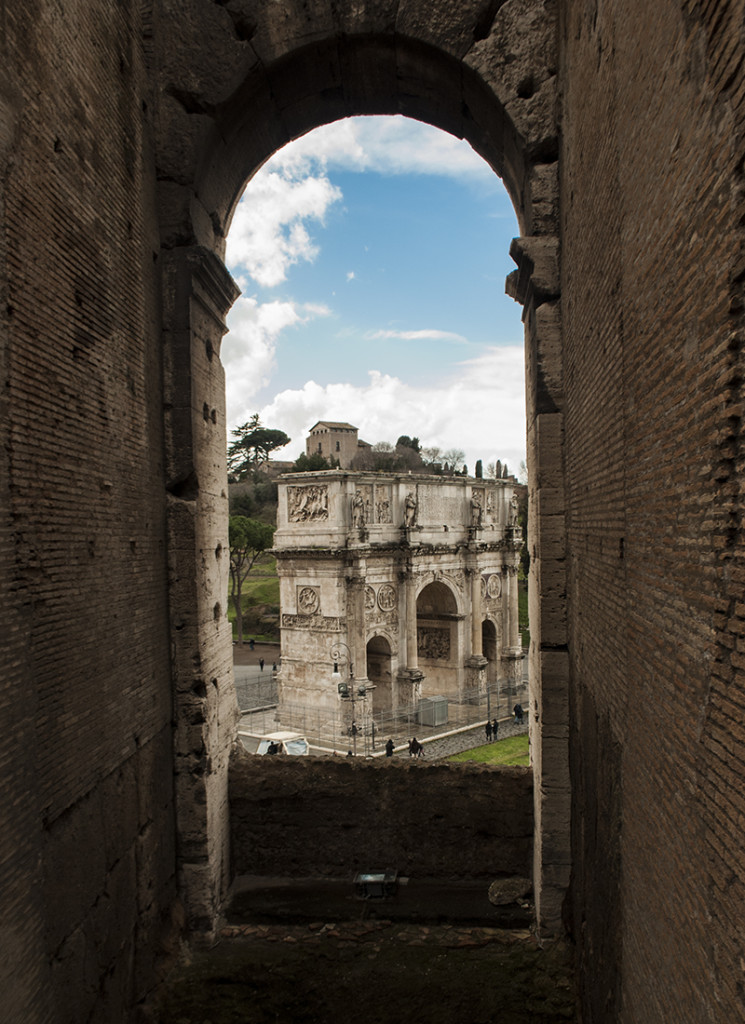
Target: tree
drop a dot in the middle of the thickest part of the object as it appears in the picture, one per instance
(252, 446)
(405, 441)
(455, 458)
(312, 463)
(247, 539)
(479, 471)
(384, 458)
(432, 455)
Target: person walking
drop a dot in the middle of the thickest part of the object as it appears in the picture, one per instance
(495, 729)
(389, 748)
(487, 730)
(415, 748)
(261, 664)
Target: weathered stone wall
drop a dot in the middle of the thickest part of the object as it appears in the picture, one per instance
(652, 206)
(126, 134)
(335, 816)
(86, 802)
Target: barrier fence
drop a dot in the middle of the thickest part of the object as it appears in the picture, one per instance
(262, 714)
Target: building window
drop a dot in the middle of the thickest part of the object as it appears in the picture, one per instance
(320, 447)
(338, 446)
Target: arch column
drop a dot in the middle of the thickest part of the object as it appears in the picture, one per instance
(409, 675)
(197, 293)
(476, 662)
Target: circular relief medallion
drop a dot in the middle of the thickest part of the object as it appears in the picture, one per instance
(387, 598)
(369, 599)
(307, 601)
(494, 586)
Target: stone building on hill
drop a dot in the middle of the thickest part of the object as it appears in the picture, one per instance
(337, 441)
(415, 576)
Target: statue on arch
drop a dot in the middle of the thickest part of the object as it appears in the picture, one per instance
(410, 509)
(476, 512)
(358, 509)
(514, 510)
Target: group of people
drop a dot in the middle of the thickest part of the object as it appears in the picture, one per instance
(416, 749)
(492, 730)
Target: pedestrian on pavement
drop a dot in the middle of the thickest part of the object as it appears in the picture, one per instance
(250, 645)
(261, 664)
(389, 748)
(487, 730)
(274, 667)
(494, 729)
(518, 710)
(415, 747)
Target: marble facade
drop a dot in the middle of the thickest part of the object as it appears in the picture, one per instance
(406, 582)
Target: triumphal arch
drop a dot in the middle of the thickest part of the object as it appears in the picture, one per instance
(414, 578)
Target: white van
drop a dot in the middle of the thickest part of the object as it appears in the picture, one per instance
(283, 743)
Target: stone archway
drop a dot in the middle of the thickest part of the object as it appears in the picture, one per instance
(379, 672)
(440, 640)
(490, 650)
(235, 84)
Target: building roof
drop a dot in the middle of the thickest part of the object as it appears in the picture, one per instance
(335, 426)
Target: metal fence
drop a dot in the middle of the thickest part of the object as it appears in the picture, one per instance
(261, 714)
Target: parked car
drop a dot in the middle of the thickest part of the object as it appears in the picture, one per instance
(283, 743)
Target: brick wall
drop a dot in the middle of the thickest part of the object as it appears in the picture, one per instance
(651, 232)
(87, 844)
(332, 816)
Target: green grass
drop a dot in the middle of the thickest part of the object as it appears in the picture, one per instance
(261, 587)
(513, 750)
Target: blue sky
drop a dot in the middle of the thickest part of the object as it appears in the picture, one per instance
(372, 255)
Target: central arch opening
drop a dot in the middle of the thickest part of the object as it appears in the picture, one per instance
(372, 254)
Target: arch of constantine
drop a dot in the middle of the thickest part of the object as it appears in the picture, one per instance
(408, 574)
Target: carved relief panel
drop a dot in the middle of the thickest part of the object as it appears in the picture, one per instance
(383, 505)
(308, 504)
(308, 600)
(491, 585)
(433, 643)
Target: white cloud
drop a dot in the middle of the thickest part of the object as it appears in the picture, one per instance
(389, 145)
(430, 335)
(350, 275)
(480, 408)
(268, 233)
(248, 351)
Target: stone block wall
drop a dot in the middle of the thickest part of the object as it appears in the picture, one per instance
(652, 210)
(334, 816)
(86, 802)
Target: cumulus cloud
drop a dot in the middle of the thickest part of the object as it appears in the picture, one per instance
(388, 145)
(271, 227)
(248, 350)
(480, 408)
(427, 334)
(269, 234)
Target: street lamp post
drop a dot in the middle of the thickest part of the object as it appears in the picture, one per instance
(346, 690)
